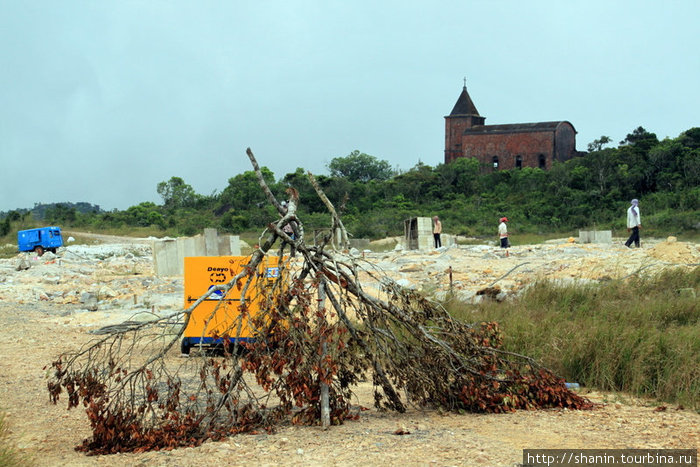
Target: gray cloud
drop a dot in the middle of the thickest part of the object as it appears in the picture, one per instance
(101, 101)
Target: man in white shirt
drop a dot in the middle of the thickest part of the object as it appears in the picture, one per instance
(634, 223)
(503, 234)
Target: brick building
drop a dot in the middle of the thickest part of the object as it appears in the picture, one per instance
(503, 147)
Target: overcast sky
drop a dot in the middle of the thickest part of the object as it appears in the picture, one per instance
(102, 100)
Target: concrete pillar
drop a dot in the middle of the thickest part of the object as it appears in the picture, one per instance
(445, 239)
(211, 242)
(165, 258)
(224, 246)
(200, 248)
(602, 236)
(235, 245)
(584, 236)
(189, 247)
(180, 244)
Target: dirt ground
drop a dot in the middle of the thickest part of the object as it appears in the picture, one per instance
(33, 334)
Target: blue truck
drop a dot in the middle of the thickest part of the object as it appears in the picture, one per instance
(40, 240)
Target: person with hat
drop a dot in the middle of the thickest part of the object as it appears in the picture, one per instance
(634, 223)
(503, 234)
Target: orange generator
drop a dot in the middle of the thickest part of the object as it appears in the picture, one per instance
(211, 326)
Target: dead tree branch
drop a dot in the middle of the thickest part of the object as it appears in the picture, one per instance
(305, 357)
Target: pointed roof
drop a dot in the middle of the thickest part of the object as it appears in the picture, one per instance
(464, 105)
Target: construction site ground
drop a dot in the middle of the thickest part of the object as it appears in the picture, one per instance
(51, 305)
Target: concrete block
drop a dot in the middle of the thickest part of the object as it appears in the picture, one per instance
(190, 247)
(234, 245)
(447, 239)
(224, 247)
(200, 248)
(180, 244)
(169, 255)
(602, 236)
(165, 258)
(595, 236)
(211, 242)
(418, 233)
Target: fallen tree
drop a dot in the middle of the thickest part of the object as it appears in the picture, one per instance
(327, 322)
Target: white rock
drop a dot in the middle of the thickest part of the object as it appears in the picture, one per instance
(51, 280)
(107, 292)
(23, 264)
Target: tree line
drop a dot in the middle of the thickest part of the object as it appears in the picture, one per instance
(592, 191)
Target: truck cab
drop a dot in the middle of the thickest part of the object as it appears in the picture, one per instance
(40, 240)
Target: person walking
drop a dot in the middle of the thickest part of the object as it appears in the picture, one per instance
(634, 223)
(437, 230)
(503, 234)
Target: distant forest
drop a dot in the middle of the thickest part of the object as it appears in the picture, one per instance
(591, 191)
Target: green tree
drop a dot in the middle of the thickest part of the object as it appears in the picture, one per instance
(243, 192)
(309, 201)
(176, 193)
(598, 144)
(60, 214)
(690, 138)
(460, 176)
(641, 139)
(360, 167)
(143, 215)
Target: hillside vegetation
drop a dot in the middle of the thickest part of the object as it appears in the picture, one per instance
(592, 191)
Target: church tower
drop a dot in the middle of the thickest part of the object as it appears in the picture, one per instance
(463, 116)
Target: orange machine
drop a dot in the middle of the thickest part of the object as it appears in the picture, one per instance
(209, 325)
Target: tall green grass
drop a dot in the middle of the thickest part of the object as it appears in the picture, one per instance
(640, 335)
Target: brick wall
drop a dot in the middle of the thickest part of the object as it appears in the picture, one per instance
(533, 148)
(454, 127)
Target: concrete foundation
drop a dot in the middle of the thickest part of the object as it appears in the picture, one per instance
(169, 254)
(595, 236)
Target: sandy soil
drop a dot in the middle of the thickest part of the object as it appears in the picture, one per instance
(34, 333)
(49, 433)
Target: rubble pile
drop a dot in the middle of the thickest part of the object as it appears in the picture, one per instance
(475, 267)
(98, 285)
(95, 284)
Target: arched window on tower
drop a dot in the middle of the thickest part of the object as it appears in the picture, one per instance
(495, 162)
(518, 162)
(542, 162)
